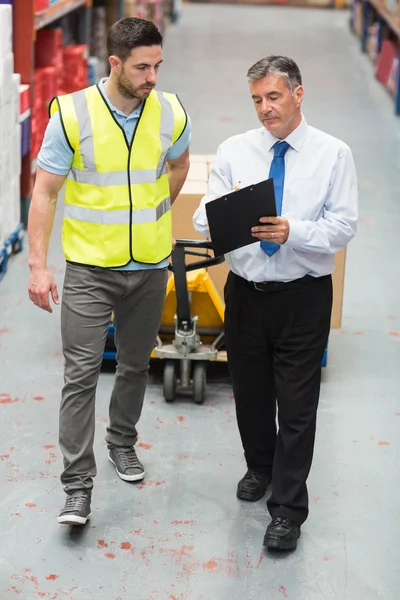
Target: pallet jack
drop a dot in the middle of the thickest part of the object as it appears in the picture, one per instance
(192, 325)
(197, 339)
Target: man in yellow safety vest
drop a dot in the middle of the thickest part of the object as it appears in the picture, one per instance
(122, 150)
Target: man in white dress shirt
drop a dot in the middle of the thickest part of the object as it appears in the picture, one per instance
(278, 294)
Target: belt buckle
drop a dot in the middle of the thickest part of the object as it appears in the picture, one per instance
(256, 286)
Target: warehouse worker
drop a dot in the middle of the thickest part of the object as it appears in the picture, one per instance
(123, 150)
(279, 290)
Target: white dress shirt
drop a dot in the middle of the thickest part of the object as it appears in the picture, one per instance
(319, 200)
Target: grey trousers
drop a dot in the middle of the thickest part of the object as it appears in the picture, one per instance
(89, 297)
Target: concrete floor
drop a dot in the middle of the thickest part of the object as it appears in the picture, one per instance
(183, 535)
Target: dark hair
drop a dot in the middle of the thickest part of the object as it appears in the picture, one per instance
(130, 33)
(276, 65)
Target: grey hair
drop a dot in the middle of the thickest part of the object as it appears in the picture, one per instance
(276, 65)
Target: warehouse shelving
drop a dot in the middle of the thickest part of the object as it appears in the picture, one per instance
(56, 12)
(368, 12)
(26, 24)
(13, 245)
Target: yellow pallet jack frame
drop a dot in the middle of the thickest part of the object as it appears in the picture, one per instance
(192, 325)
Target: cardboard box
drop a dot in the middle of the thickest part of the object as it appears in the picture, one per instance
(6, 74)
(183, 210)
(5, 29)
(338, 288)
(198, 158)
(198, 172)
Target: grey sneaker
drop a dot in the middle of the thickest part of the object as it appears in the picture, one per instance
(127, 464)
(76, 510)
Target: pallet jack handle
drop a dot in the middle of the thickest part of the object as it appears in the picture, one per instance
(180, 268)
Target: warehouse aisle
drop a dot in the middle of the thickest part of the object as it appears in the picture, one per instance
(182, 534)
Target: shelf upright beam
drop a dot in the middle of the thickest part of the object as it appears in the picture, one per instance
(366, 21)
(397, 105)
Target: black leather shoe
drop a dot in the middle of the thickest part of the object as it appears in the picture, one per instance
(253, 486)
(282, 534)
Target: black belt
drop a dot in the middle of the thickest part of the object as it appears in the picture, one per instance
(275, 286)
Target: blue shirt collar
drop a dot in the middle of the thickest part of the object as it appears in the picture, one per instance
(135, 113)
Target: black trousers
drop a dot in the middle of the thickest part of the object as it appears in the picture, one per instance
(275, 341)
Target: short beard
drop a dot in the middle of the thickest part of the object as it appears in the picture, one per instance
(125, 88)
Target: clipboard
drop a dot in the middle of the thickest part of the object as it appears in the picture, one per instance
(231, 217)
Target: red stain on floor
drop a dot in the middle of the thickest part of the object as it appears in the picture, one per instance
(178, 554)
(183, 457)
(102, 544)
(383, 443)
(30, 505)
(250, 566)
(141, 485)
(181, 419)
(126, 546)
(397, 414)
(144, 446)
(392, 318)
(160, 483)
(394, 333)
(326, 558)
(219, 565)
(38, 398)
(16, 515)
(4, 456)
(52, 458)
(51, 577)
(183, 522)
(358, 333)
(110, 556)
(283, 591)
(48, 447)
(6, 399)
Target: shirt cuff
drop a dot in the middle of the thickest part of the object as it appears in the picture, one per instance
(202, 228)
(297, 233)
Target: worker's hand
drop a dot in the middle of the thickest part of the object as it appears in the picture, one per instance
(173, 243)
(41, 283)
(276, 231)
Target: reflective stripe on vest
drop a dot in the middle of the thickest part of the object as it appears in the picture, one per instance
(117, 217)
(91, 176)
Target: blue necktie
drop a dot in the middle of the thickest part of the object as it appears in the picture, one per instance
(277, 172)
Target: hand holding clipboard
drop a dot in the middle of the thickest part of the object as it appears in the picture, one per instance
(232, 217)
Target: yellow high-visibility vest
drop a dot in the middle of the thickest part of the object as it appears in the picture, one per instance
(117, 197)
